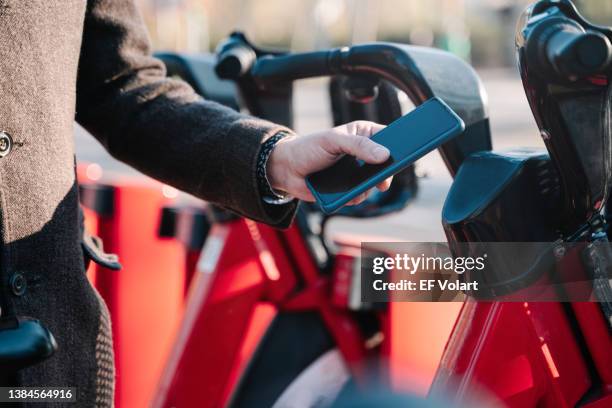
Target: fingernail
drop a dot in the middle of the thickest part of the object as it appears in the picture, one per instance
(380, 153)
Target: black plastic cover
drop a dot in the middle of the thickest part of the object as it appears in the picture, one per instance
(511, 198)
(503, 197)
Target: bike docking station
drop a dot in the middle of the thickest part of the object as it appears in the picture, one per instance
(189, 224)
(268, 309)
(146, 296)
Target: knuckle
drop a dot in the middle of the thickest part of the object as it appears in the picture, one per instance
(361, 143)
(325, 140)
(363, 128)
(353, 125)
(358, 127)
(346, 144)
(329, 142)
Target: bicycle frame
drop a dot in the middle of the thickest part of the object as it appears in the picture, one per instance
(545, 361)
(238, 290)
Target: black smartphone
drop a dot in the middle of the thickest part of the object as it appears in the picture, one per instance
(408, 139)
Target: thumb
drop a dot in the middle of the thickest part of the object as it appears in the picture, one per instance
(361, 147)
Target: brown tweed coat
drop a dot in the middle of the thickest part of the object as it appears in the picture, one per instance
(89, 60)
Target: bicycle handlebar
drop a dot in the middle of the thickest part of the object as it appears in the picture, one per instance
(286, 68)
(574, 53)
(565, 49)
(419, 72)
(561, 45)
(234, 61)
(383, 60)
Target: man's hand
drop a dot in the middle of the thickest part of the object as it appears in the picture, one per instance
(294, 158)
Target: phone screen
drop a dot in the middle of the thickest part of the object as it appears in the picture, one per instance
(408, 138)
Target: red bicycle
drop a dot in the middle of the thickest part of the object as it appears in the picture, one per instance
(274, 318)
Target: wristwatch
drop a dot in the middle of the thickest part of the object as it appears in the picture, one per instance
(268, 194)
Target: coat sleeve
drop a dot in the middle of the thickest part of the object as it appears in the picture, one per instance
(159, 125)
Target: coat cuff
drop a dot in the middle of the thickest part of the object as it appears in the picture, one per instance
(241, 151)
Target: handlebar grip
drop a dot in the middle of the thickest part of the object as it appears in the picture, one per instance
(275, 69)
(571, 52)
(235, 61)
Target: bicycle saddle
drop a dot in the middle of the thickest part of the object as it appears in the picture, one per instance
(24, 341)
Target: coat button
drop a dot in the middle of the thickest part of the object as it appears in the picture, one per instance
(6, 143)
(18, 284)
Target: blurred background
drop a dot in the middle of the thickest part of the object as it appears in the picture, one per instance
(480, 31)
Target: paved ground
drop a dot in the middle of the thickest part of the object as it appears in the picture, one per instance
(512, 126)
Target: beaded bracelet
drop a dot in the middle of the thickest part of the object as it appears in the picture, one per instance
(267, 192)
